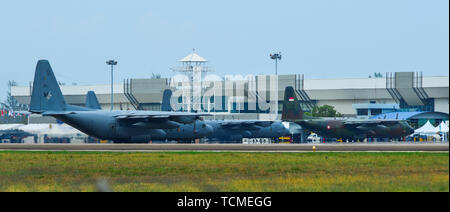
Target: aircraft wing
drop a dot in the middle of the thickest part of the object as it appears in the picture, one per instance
(153, 116)
(371, 122)
(56, 113)
(246, 125)
(22, 112)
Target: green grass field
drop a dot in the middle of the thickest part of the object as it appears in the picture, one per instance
(195, 171)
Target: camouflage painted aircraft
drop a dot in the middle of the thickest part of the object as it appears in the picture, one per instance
(350, 129)
(119, 126)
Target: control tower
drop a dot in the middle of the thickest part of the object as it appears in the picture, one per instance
(193, 66)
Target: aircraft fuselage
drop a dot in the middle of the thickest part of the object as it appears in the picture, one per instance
(103, 125)
(337, 129)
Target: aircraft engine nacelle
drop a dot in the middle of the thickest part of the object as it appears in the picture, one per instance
(382, 127)
(371, 133)
(202, 129)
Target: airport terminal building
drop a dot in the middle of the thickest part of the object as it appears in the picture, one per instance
(234, 98)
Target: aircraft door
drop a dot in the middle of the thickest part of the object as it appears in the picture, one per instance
(112, 128)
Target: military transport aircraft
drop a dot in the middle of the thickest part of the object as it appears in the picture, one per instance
(223, 131)
(351, 129)
(236, 130)
(119, 126)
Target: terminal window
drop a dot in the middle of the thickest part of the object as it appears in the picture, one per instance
(363, 112)
(374, 112)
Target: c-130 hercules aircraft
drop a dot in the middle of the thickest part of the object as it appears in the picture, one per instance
(232, 131)
(351, 129)
(236, 130)
(119, 126)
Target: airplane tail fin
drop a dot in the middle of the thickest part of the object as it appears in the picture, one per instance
(92, 101)
(291, 106)
(166, 100)
(46, 94)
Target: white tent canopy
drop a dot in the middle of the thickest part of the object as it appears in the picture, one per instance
(10, 126)
(35, 128)
(51, 129)
(427, 128)
(442, 128)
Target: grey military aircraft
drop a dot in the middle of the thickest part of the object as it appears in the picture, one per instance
(223, 131)
(236, 130)
(351, 129)
(119, 126)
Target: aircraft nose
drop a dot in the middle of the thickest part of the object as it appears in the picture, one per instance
(410, 130)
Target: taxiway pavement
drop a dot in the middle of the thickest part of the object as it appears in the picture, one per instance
(375, 147)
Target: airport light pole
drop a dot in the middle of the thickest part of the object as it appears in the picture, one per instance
(112, 63)
(276, 57)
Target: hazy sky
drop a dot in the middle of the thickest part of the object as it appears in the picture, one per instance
(319, 38)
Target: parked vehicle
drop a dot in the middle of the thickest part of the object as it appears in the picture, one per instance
(314, 138)
(422, 137)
